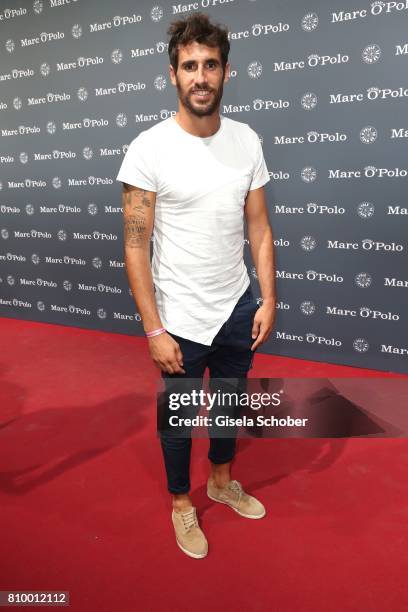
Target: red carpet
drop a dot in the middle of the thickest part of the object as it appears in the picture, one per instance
(84, 506)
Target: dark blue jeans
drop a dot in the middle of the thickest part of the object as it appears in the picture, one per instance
(229, 356)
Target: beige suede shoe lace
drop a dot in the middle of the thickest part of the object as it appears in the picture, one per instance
(189, 519)
(236, 487)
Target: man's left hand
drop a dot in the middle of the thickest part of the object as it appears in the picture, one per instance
(263, 323)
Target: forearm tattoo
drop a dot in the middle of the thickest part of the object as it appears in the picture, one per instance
(135, 202)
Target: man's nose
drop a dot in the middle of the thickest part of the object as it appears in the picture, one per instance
(200, 76)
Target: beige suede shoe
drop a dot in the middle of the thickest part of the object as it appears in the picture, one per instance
(233, 495)
(189, 536)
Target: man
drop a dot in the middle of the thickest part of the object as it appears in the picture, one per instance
(192, 177)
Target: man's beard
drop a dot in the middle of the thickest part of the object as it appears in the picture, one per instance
(201, 110)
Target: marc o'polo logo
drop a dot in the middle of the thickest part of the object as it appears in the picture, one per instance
(368, 134)
(116, 56)
(312, 275)
(307, 307)
(309, 100)
(101, 312)
(51, 127)
(365, 210)
(160, 82)
(10, 210)
(121, 120)
(311, 137)
(363, 280)
(45, 69)
(14, 257)
(313, 338)
(371, 53)
(10, 45)
(17, 103)
(76, 31)
(308, 243)
(82, 94)
(308, 174)
(13, 13)
(160, 47)
(361, 345)
(309, 22)
(87, 152)
(255, 69)
(156, 13)
(38, 6)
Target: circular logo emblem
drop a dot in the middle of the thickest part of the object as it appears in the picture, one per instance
(92, 208)
(82, 94)
(116, 56)
(121, 120)
(309, 100)
(365, 210)
(37, 6)
(371, 54)
(360, 345)
(10, 46)
(87, 152)
(156, 13)
(307, 307)
(308, 174)
(368, 134)
(254, 70)
(363, 279)
(76, 31)
(45, 69)
(51, 127)
(309, 22)
(308, 243)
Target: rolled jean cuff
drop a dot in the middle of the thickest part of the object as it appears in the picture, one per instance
(217, 461)
(185, 491)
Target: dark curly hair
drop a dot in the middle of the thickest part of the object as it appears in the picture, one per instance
(197, 27)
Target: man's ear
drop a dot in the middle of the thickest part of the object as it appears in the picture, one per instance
(227, 73)
(172, 75)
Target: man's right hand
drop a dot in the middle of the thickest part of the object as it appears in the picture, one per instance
(166, 353)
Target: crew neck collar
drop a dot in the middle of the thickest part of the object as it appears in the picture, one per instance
(204, 138)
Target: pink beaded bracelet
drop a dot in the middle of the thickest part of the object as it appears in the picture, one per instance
(155, 332)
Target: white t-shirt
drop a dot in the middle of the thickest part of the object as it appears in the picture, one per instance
(198, 267)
